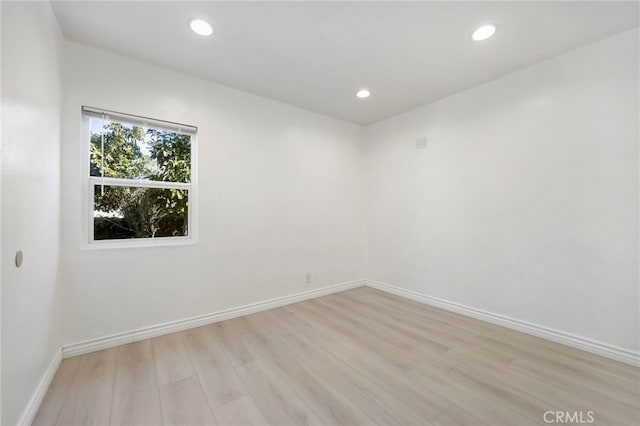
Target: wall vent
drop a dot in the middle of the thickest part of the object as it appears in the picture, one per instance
(421, 142)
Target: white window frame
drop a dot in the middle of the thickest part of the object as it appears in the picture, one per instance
(89, 182)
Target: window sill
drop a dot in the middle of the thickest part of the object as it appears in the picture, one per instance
(139, 243)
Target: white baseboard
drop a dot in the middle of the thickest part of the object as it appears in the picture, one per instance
(588, 345)
(33, 406)
(113, 340)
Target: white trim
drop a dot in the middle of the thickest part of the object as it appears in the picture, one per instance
(29, 413)
(588, 345)
(113, 340)
(87, 186)
(138, 242)
(137, 183)
(138, 120)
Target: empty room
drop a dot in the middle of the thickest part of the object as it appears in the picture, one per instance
(320, 213)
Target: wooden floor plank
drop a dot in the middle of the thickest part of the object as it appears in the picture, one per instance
(384, 374)
(554, 395)
(475, 403)
(363, 390)
(184, 403)
(476, 380)
(136, 400)
(571, 383)
(309, 382)
(240, 412)
(279, 403)
(218, 378)
(171, 358)
(453, 415)
(403, 360)
(91, 391)
(230, 335)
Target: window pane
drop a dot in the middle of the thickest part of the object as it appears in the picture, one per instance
(123, 212)
(134, 152)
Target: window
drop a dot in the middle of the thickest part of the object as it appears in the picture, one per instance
(140, 179)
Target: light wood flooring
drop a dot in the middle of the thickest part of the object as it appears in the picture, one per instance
(360, 357)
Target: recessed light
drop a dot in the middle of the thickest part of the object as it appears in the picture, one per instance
(363, 93)
(201, 27)
(484, 32)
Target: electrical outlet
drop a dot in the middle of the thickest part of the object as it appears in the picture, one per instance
(421, 142)
(308, 278)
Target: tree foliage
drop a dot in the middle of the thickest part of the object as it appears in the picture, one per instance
(130, 152)
(123, 157)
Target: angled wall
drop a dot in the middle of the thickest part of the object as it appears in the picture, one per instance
(30, 200)
(280, 195)
(524, 202)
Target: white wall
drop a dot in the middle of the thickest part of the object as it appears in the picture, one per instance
(280, 195)
(30, 199)
(525, 201)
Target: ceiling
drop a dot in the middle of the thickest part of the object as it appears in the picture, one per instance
(316, 55)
